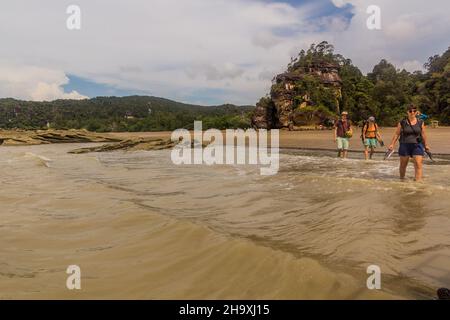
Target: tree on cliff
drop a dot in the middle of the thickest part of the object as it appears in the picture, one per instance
(323, 52)
(382, 93)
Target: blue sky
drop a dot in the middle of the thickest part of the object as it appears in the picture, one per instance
(204, 52)
(93, 89)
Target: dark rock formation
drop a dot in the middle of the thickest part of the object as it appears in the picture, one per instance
(292, 93)
(264, 116)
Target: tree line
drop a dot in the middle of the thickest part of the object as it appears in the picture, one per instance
(384, 92)
(106, 114)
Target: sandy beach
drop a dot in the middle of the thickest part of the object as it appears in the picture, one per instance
(323, 140)
(313, 139)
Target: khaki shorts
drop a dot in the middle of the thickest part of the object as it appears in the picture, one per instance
(343, 143)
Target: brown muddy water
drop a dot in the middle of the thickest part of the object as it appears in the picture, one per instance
(140, 227)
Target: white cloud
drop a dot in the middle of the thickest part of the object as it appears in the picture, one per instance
(34, 83)
(411, 30)
(266, 40)
(412, 65)
(266, 75)
(212, 72)
(339, 3)
(401, 29)
(52, 91)
(177, 48)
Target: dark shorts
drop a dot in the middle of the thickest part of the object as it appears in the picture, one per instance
(411, 150)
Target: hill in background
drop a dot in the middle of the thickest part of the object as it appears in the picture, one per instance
(133, 113)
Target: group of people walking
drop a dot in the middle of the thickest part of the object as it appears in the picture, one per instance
(411, 132)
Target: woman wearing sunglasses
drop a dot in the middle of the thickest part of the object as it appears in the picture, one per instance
(413, 142)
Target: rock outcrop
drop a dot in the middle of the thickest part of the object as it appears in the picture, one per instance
(145, 144)
(138, 144)
(264, 115)
(27, 137)
(291, 95)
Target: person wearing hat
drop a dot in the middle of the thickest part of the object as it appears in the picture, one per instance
(342, 134)
(371, 136)
(413, 142)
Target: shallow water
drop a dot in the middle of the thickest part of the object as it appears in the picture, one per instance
(141, 227)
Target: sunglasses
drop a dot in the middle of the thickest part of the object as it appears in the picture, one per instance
(412, 111)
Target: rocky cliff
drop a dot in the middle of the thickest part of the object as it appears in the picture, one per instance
(296, 98)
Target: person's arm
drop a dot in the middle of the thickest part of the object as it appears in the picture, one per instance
(335, 132)
(424, 137)
(364, 131)
(378, 135)
(398, 131)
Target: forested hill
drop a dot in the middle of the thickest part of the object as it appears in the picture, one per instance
(134, 113)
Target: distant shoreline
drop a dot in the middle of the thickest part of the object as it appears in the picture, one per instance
(319, 140)
(322, 139)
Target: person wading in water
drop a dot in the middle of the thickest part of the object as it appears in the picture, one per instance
(413, 142)
(370, 136)
(342, 134)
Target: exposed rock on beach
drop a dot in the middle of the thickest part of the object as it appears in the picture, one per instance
(37, 137)
(127, 141)
(145, 144)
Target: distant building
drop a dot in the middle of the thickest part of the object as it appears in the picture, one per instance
(129, 116)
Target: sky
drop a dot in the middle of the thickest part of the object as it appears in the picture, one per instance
(205, 52)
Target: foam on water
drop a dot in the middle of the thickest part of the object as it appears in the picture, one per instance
(40, 159)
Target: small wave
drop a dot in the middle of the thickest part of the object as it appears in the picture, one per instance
(40, 159)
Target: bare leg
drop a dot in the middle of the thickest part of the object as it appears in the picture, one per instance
(366, 153)
(372, 151)
(344, 154)
(418, 166)
(403, 165)
(339, 153)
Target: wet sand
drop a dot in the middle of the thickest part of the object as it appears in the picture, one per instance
(439, 139)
